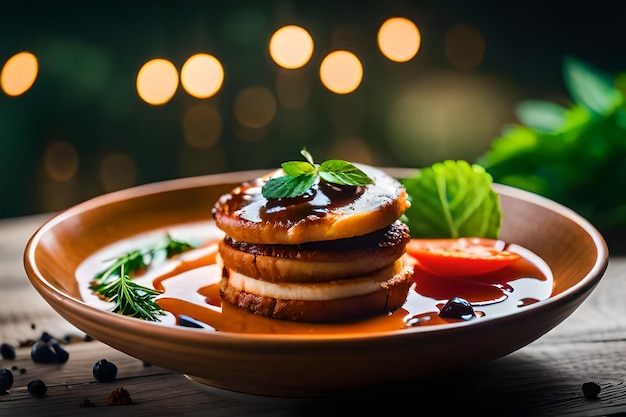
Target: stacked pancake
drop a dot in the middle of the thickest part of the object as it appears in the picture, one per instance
(332, 254)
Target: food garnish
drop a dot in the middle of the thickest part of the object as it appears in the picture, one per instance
(301, 175)
(452, 199)
(131, 299)
(462, 257)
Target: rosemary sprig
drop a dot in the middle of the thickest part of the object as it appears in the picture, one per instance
(130, 298)
(115, 284)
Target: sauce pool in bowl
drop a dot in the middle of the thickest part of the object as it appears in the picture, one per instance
(190, 289)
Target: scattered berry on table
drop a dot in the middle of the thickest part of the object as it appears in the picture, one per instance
(591, 389)
(37, 388)
(457, 308)
(6, 380)
(48, 350)
(7, 351)
(104, 371)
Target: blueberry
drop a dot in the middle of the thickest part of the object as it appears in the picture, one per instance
(6, 380)
(591, 389)
(7, 351)
(104, 371)
(48, 350)
(457, 308)
(37, 388)
(186, 321)
(41, 352)
(61, 354)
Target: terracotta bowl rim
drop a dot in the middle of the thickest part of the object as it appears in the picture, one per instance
(74, 305)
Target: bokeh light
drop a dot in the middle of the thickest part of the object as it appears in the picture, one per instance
(255, 107)
(60, 161)
(341, 72)
(291, 47)
(202, 75)
(464, 47)
(19, 73)
(202, 125)
(399, 39)
(446, 116)
(157, 81)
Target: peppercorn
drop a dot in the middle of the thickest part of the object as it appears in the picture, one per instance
(104, 371)
(591, 389)
(37, 388)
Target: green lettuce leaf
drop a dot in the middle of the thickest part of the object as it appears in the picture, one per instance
(452, 199)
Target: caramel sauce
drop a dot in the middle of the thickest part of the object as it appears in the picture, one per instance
(321, 199)
(190, 286)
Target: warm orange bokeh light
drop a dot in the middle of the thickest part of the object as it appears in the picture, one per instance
(157, 81)
(255, 107)
(202, 75)
(19, 73)
(291, 47)
(399, 39)
(341, 72)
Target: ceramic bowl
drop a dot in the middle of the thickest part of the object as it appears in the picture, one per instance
(304, 365)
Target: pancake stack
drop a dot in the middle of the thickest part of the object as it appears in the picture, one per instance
(333, 254)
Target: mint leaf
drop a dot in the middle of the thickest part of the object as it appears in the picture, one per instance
(341, 172)
(452, 199)
(300, 176)
(295, 168)
(288, 186)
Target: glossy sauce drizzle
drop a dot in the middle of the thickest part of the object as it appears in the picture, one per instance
(190, 286)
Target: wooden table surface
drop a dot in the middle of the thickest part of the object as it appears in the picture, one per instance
(543, 378)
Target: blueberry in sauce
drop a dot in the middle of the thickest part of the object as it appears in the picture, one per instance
(104, 371)
(457, 308)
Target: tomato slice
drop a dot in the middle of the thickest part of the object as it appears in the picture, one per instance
(467, 256)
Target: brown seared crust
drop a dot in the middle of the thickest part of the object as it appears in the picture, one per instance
(317, 261)
(246, 216)
(391, 296)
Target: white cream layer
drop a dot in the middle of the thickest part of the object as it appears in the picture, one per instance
(318, 291)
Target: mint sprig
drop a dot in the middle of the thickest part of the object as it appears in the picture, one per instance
(301, 175)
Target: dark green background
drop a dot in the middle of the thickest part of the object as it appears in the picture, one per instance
(90, 53)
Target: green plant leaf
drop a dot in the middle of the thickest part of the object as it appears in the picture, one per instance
(287, 186)
(542, 115)
(452, 199)
(300, 176)
(343, 173)
(295, 168)
(590, 88)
